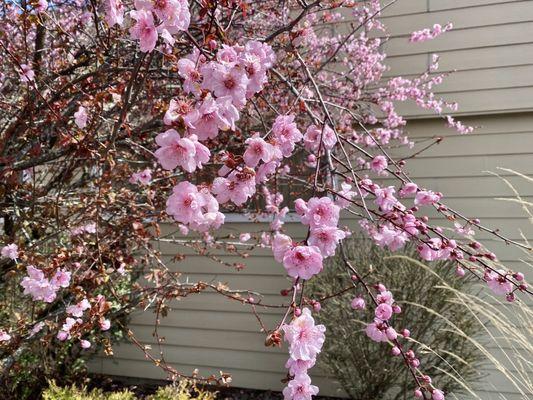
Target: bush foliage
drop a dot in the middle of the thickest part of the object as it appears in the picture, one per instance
(184, 390)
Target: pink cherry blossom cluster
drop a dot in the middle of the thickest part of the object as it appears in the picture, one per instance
(305, 342)
(152, 19)
(39, 287)
(74, 321)
(428, 34)
(381, 330)
(305, 261)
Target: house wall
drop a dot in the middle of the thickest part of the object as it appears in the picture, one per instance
(492, 49)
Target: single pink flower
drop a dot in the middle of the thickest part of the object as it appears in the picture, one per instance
(280, 245)
(326, 239)
(257, 150)
(297, 367)
(175, 151)
(26, 74)
(304, 337)
(4, 336)
(10, 251)
(383, 312)
(80, 117)
(303, 262)
(144, 30)
(105, 324)
(358, 303)
(378, 163)
(114, 12)
(286, 134)
(426, 197)
(321, 212)
(300, 388)
(317, 134)
(143, 177)
(498, 283)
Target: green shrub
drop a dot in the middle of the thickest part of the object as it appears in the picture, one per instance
(54, 392)
(184, 390)
(365, 369)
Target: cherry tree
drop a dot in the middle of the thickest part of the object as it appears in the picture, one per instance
(120, 115)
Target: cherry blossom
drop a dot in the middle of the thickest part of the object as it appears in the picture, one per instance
(10, 251)
(257, 150)
(143, 177)
(498, 283)
(280, 245)
(303, 261)
(144, 29)
(300, 388)
(428, 34)
(77, 310)
(321, 212)
(26, 74)
(314, 135)
(326, 238)
(39, 287)
(193, 207)
(114, 12)
(304, 337)
(286, 134)
(185, 152)
(426, 197)
(80, 117)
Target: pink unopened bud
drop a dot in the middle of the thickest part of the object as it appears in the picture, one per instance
(396, 309)
(297, 312)
(391, 333)
(358, 303)
(459, 271)
(519, 276)
(418, 394)
(396, 351)
(437, 394)
(316, 306)
(406, 333)
(510, 297)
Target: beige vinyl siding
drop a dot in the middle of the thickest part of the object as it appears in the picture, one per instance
(492, 50)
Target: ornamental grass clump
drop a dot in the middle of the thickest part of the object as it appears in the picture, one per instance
(443, 328)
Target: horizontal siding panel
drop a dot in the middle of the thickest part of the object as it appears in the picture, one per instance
(482, 186)
(474, 165)
(436, 5)
(482, 15)
(404, 7)
(487, 124)
(474, 144)
(480, 101)
(463, 60)
(486, 36)
(490, 78)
